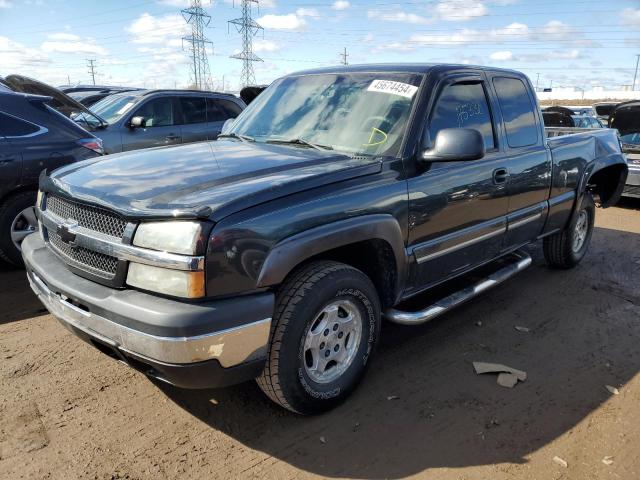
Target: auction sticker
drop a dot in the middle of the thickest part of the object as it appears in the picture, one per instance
(396, 88)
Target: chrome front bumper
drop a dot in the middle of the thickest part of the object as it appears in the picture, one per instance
(230, 347)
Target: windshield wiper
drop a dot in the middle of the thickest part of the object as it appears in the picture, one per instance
(301, 141)
(239, 136)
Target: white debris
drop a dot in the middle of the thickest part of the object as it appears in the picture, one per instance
(612, 390)
(393, 397)
(607, 460)
(522, 329)
(508, 380)
(563, 463)
(479, 323)
(323, 440)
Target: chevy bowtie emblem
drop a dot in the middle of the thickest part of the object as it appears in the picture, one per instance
(66, 236)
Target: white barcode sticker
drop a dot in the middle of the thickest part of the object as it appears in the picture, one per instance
(395, 88)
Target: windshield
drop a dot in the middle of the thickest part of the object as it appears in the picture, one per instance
(113, 107)
(355, 113)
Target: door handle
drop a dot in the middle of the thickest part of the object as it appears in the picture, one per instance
(500, 175)
(172, 137)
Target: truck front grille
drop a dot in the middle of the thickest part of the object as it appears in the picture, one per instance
(87, 216)
(95, 263)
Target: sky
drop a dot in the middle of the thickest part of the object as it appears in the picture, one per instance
(581, 43)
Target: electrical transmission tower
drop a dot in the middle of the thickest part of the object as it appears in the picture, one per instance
(248, 28)
(344, 57)
(198, 19)
(92, 69)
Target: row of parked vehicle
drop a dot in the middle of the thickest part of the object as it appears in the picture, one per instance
(44, 128)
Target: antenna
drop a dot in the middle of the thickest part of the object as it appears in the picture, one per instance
(198, 19)
(92, 69)
(248, 28)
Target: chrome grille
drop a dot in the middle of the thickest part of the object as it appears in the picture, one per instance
(96, 263)
(87, 216)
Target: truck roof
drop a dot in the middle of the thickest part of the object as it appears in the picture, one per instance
(402, 67)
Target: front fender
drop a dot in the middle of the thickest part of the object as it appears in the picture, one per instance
(292, 251)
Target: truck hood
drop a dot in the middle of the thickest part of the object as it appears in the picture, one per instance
(202, 180)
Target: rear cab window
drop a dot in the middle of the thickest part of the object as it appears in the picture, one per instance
(517, 111)
(194, 110)
(463, 105)
(219, 110)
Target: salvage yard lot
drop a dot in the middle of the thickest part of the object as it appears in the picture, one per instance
(67, 411)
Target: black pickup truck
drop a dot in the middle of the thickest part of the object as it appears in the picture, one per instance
(335, 197)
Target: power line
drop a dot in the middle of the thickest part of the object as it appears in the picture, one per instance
(635, 75)
(198, 19)
(248, 28)
(92, 69)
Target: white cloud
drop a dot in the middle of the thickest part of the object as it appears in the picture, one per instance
(503, 56)
(340, 5)
(70, 37)
(290, 21)
(176, 3)
(631, 17)
(5, 4)
(265, 46)
(73, 47)
(555, 30)
(403, 17)
(160, 30)
(15, 57)
(460, 10)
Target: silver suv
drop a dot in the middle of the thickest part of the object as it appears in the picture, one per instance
(154, 118)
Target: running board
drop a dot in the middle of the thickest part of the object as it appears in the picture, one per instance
(521, 260)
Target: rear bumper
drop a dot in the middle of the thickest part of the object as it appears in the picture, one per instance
(632, 187)
(192, 345)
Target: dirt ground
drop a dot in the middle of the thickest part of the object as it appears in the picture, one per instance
(67, 411)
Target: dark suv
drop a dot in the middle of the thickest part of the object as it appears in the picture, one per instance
(33, 137)
(153, 118)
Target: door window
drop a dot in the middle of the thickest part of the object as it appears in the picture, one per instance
(11, 126)
(157, 112)
(517, 112)
(463, 105)
(219, 110)
(194, 109)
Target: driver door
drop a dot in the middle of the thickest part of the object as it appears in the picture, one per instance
(457, 209)
(162, 126)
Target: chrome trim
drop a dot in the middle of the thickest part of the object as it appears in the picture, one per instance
(524, 221)
(521, 261)
(230, 347)
(464, 244)
(112, 246)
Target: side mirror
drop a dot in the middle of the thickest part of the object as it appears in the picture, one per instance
(138, 122)
(226, 126)
(455, 144)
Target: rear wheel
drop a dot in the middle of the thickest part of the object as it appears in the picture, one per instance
(17, 220)
(567, 248)
(325, 327)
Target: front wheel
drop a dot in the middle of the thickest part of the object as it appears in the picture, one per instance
(325, 327)
(567, 248)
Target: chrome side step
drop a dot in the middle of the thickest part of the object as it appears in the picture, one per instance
(521, 260)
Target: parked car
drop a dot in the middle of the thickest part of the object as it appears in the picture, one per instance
(337, 195)
(582, 110)
(92, 88)
(33, 137)
(626, 119)
(584, 121)
(557, 119)
(604, 109)
(152, 118)
(90, 97)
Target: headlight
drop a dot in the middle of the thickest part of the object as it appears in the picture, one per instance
(174, 236)
(177, 283)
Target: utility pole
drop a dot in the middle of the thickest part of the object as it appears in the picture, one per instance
(92, 70)
(68, 79)
(635, 75)
(248, 28)
(344, 56)
(198, 19)
(537, 81)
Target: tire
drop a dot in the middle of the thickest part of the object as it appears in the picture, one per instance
(11, 218)
(560, 248)
(308, 306)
